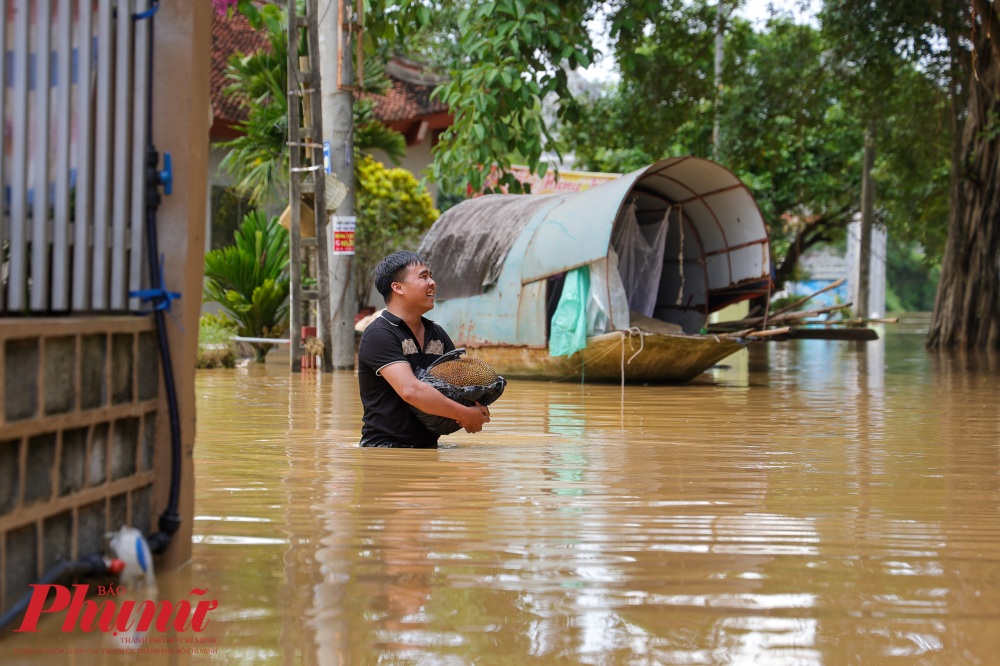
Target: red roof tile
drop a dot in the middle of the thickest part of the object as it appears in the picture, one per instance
(404, 101)
(228, 37)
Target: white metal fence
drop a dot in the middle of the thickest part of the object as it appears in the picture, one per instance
(73, 100)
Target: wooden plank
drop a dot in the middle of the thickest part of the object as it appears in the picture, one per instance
(40, 158)
(141, 104)
(102, 157)
(851, 333)
(768, 333)
(775, 319)
(22, 327)
(17, 280)
(3, 143)
(82, 218)
(60, 218)
(121, 187)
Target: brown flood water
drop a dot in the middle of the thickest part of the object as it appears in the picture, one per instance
(814, 503)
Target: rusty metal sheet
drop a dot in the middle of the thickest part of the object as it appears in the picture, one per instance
(506, 313)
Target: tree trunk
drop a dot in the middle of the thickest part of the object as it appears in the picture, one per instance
(967, 306)
(867, 217)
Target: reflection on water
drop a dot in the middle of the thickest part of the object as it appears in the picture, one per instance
(811, 503)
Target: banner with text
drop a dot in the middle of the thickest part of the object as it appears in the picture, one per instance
(343, 234)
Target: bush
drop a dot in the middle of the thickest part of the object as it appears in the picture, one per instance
(214, 330)
(250, 280)
(393, 211)
(215, 347)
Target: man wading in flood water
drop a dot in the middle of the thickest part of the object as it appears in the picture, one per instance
(397, 343)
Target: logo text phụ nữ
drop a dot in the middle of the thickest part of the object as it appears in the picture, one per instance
(107, 615)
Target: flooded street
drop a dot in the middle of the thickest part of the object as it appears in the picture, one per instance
(813, 503)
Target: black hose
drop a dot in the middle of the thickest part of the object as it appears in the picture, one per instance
(170, 519)
(92, 565)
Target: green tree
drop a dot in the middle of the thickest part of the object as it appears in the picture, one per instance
(393, 212)
(503, 58)
(910, 282)
(960, 41)
(250, 280)
(258, 159)
(791, 124)
(784, 128)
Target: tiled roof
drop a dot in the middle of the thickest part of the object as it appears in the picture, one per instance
(228, 37)
(404, 101)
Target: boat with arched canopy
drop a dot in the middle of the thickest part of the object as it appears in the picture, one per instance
(662, 247)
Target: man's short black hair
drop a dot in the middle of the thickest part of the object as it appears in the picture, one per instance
(392, 268)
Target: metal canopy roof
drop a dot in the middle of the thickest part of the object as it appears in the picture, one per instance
(724, 250)
(715, 204)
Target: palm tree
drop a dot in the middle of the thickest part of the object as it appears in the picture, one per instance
(258, 160)
(250, 280)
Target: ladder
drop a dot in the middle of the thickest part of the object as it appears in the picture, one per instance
(306, 176)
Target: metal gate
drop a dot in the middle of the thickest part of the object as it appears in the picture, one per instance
(74, 101)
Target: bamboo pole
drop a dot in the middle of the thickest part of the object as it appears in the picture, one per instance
(804, 314)
(799, 302)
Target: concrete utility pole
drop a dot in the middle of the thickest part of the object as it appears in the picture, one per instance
(720, 43)
(338, 120)
(867, 217)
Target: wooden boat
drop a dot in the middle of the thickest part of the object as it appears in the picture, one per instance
(658, 358)
(500, 261)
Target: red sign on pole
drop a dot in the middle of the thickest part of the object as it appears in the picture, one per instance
(343, 234)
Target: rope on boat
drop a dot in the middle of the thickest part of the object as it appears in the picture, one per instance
(632, 331)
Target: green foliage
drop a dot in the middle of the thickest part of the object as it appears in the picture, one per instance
(214, 330)
(258, 159)
(370, 134)
(250, 280)
(393, 211)
(783, 127)
(792, 118)
(911, 278)
(503, 57)
(215, 348)
(792, 114)
(908, 63)
(227, 210)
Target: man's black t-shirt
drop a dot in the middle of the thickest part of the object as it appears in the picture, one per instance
(388, 419)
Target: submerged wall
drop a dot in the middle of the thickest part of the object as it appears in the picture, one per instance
(79, 424)
(84, 434)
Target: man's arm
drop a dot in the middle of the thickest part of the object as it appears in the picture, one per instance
(428, 399)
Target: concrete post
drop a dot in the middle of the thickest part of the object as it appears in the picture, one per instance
(182, 115)
(338, 120)
(720, 43)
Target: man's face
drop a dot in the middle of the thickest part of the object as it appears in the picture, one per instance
(416, 289)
